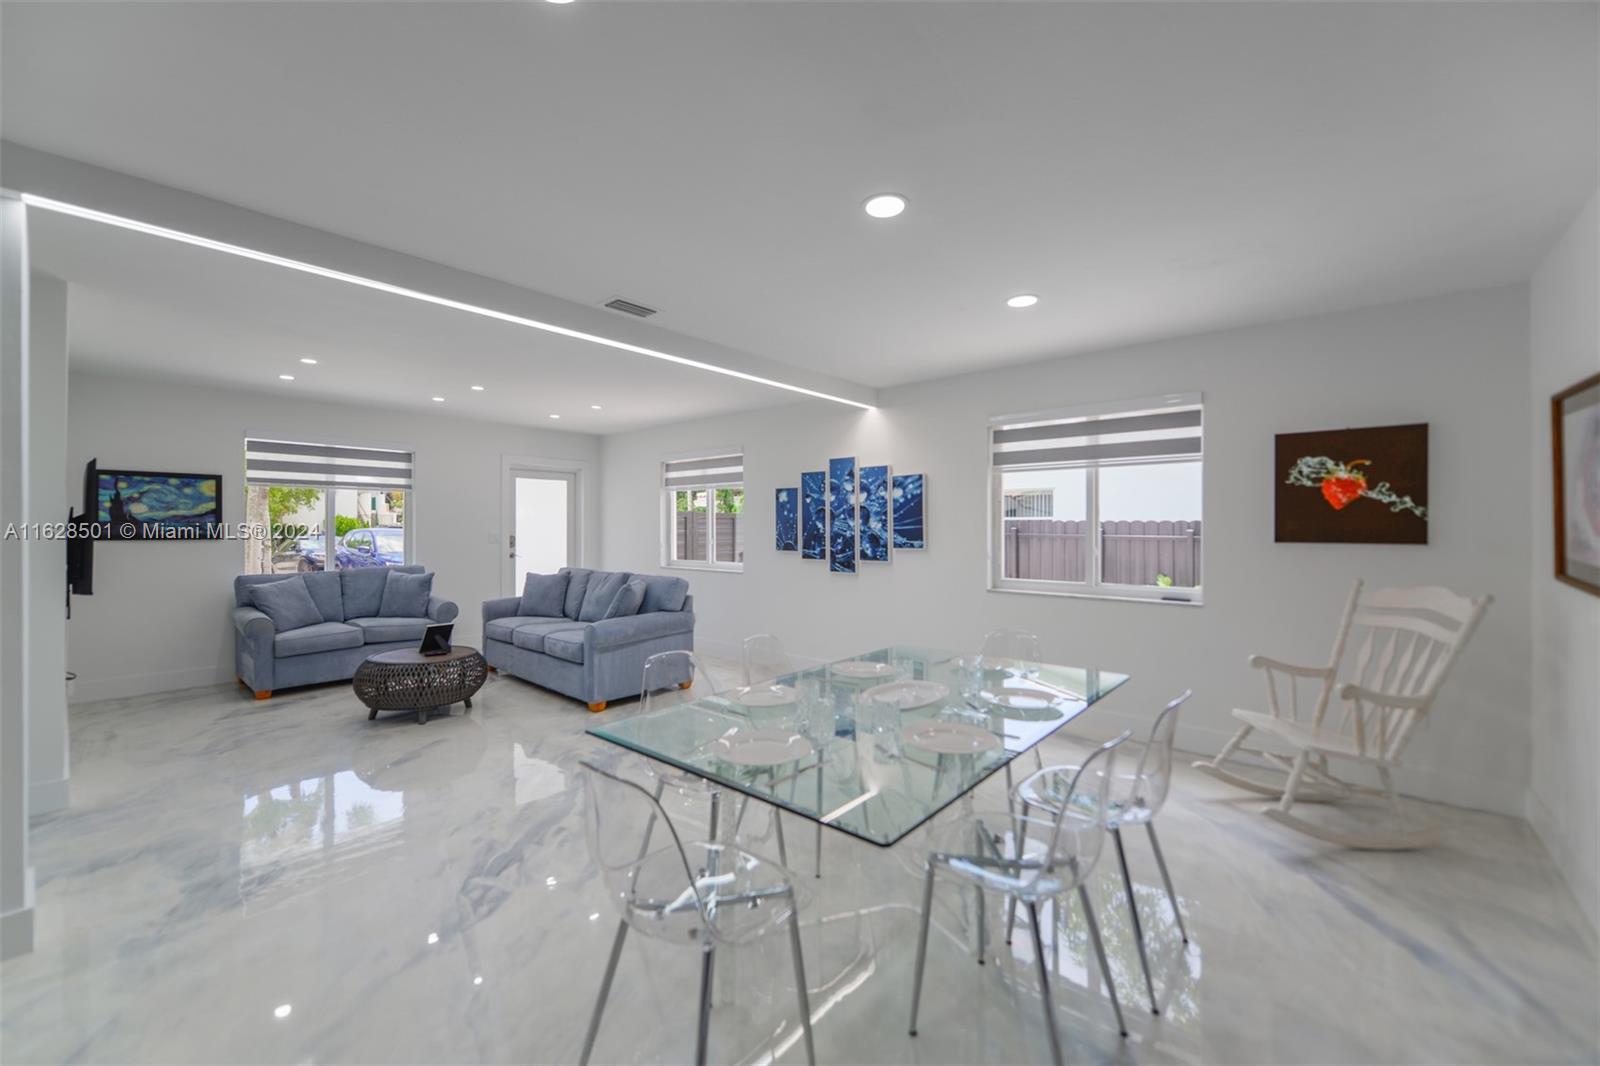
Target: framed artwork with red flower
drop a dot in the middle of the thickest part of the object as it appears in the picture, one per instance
(1575, 450)
(1352, 486)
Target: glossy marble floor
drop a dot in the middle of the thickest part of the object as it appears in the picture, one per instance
(287, 882)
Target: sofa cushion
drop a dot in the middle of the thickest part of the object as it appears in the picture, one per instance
(308, 640)
(603, 588)
(288, 603)
(363, 590)
(625, 604)
(405, 595)
(531, 638)
(327, 592)
(502, 628)
(565, 644)
(380, 630)
(544, 595)
(662, 593)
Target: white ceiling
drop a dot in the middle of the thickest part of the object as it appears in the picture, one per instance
(1148, 169)
(144, 305)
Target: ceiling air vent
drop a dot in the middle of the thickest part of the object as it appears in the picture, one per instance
(628, 307)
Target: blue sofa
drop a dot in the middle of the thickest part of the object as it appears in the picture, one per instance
(267, 657)
(595, 660)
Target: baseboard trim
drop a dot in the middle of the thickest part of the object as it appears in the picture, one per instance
(119, 686)
(47, 796)
(16, 925)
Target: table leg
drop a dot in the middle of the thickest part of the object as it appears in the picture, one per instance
(373, 716)
(422, 716)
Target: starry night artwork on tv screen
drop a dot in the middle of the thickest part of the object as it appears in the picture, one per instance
(152, 505)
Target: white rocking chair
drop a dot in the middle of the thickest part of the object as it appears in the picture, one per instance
(1413, 636)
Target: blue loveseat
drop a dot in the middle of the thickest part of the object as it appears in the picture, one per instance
(573, 632)
(346, 623)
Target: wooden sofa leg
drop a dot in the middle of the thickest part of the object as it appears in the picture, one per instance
(264, 695)
(596, 708)
(686, 684)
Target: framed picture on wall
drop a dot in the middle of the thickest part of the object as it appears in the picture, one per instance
(1575, 457)
(158, 505)
(1352, 486)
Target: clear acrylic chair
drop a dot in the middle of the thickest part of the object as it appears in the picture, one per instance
(1013, 649)
(1136, 799)
(1033, 860)
(765, 659)
(672, 678)
(699, 894)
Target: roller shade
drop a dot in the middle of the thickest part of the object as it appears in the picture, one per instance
(277, 462)
(697, 473)
(1141, 433)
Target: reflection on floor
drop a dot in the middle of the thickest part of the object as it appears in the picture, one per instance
(285, 881)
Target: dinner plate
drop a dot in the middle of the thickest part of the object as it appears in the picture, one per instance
(909, 695)
(765, 696)
(949, 738)
(863, 670)
(761, 747)
(1017, 698)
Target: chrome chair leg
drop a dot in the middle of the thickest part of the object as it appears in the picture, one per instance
(1100, 952)
(977, 904)
(1044, 984)
(708, 960)
(783, 849)
(605, 993)
(1166, 878)
(800, 977)
(1133, 911)
(819, 824)
(922, 943)
(1022, 837)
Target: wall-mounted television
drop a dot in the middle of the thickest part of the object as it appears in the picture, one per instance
(157, 505)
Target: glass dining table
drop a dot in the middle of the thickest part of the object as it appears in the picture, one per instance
(873, 746)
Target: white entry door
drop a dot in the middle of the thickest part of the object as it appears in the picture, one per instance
(543, 523)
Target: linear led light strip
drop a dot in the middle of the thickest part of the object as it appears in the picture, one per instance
(441, 301)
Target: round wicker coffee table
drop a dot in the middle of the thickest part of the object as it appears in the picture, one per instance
(410, 681)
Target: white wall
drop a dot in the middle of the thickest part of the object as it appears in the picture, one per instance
(159, 616)
(46, 418)
(1564, 800)
(1456, 362)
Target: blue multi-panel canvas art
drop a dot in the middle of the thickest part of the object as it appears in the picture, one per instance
(814, 515)
(875, 514)
(842, 516)
(910, 511)
(787, 511)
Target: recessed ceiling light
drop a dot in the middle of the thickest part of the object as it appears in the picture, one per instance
(438, 399)
(308, 361)
(282, 1010)
(884, 205)
(555, 416)
(285, 377)
(433, 938)
(477, 388)
(44, 203)
(594, 407)
(558, 1)
(1026, 299)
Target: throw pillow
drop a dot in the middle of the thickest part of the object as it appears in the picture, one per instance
(405, 595)
(577, 585)
(363, 590)
(603, 588)
(664, 594)
(627, 600)
(288, 603)
(325, 589)
(544, 595)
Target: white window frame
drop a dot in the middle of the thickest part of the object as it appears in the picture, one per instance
(669, 529)
(1093, 588)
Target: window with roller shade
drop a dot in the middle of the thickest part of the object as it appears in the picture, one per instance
(703, 507)
(327, 506)
(1124, 483)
